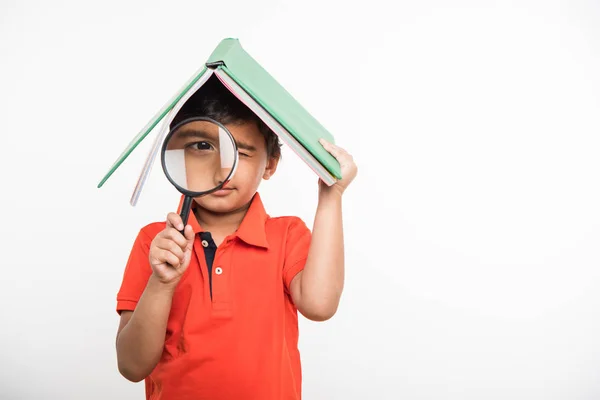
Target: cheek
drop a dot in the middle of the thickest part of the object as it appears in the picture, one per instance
(249, 170)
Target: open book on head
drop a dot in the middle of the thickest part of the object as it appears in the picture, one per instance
(261, 93)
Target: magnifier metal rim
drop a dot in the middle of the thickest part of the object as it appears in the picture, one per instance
(164, 148)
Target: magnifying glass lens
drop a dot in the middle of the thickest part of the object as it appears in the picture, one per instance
(199, 156)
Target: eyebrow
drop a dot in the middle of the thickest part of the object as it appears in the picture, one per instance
(198, 133)
(187, 133)
(245, 146)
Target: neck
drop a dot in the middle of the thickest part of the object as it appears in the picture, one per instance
(222, 224)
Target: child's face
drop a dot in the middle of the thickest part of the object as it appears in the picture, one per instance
(254, 165)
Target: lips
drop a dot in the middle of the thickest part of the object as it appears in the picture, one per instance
(223, 192)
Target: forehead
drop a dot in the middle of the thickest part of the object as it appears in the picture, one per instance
(246, 132)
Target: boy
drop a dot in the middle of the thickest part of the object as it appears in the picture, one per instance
(212, 314)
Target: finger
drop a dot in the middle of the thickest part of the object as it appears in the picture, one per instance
(169, 245)
(335, 151)
(169, 258)
(189, 236)
(174, 235)
(174, 221)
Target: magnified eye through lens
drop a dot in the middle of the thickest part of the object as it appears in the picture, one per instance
(199, 156)
(202, 146)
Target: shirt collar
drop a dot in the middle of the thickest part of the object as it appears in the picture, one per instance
(252, 230)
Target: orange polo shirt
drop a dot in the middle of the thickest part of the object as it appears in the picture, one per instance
(243, 342)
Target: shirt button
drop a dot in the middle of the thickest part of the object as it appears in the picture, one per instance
(204, 243)
(218, 271)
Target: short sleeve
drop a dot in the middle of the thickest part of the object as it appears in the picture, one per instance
(296, 250)
(136, 275)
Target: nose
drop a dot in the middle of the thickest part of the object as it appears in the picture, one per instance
(221, 175)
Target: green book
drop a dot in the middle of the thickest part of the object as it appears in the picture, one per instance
(260, 92)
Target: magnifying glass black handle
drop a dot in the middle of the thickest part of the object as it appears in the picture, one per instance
(185, 212)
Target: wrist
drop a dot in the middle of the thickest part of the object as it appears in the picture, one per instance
(330, 195)
(158, 285)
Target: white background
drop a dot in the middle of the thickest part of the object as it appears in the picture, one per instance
(472, 230)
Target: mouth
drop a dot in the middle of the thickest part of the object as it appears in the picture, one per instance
(223, 191)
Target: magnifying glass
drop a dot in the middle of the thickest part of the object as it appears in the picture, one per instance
(199, 156)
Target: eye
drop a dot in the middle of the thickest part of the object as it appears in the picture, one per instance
(244, 154)
(201, 146)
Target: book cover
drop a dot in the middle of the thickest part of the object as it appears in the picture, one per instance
(274, 104)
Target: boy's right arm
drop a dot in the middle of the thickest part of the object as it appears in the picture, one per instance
(141, 334)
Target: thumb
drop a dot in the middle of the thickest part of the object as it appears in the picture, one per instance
(189, 236)
(188, 233)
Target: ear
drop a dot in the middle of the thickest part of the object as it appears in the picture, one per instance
(271, 167)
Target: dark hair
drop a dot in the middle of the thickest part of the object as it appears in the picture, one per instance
(214, 100)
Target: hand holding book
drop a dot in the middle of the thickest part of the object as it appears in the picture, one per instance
(347, 165)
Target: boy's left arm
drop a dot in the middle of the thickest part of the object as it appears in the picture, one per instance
(316, 290)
